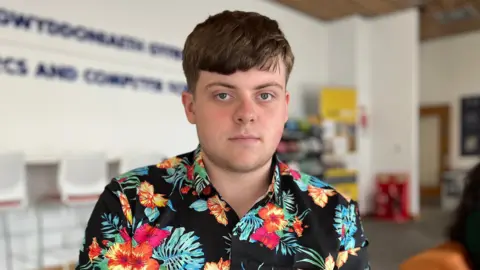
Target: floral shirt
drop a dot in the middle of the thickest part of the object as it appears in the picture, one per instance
(169, 216)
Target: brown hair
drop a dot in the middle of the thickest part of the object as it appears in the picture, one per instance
(233, 41)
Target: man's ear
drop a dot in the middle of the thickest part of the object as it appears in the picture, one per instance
(287, 101)
(188, 102)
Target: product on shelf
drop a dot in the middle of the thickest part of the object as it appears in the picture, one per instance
(301, 146)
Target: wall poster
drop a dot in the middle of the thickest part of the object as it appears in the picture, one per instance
(470, 126)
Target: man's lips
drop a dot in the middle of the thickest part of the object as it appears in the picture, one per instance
(244, 138)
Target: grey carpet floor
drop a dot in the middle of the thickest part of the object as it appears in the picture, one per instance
(391, 244)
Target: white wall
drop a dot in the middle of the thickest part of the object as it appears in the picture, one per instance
(379, 57)
(449, 70)
(395, 100)
(47, 117)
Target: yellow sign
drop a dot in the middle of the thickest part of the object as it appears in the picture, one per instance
(339, 104)
(349, 190)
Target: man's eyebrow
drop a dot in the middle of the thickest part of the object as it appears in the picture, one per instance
(269, 84)
(258, 87)
(222, 84)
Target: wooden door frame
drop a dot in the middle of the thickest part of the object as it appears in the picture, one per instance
(443, 114)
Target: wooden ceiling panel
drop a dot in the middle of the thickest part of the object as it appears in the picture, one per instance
(319, 10)
(438, 17)
(374, 7)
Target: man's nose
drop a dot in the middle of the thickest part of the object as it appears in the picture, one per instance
(245, 112)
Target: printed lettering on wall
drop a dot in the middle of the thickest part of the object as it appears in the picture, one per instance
(53, 28)
(18, 66)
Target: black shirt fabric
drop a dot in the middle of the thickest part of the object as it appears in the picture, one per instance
(169, 216)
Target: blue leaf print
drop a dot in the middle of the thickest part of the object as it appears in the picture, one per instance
(288, 244)
(110, 226)
(152, 213)
(140, 171)
(318, 183)
(180, 251)
(289, 202)
(228, 243)
(349, 242)
(276, 176)
(313, 258)
(176, 177)
(170, 205)
(345, 225)
(249, 224)
(199, 205)
(301, 185)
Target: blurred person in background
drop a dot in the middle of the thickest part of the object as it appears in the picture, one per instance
(465, 228)
(461, 251)
(230, 203)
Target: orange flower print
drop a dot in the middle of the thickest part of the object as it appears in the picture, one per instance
(147, 197)
(269, 239)
(127, 211)
(94, 250)
(190, 170)
(320, 195)
(169, 163)
(221, 265)
(218, 208)
(199, 160)
(284, 169)
(297, 226)
(343, 256)
(123, 256)
(273, 217)
(329, 263)
(207, 190)
(185, 190)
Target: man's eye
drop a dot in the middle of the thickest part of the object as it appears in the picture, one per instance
(222, 96)
(265, 96)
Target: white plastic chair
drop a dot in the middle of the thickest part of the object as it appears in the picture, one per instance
(136, 160)
(82, 177)
(13, 196)
(13, 181)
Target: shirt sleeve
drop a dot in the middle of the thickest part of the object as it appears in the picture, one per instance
(109, 226)
(472, 243)
(353, 243)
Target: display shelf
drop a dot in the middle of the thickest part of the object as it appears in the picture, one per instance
(301, 146)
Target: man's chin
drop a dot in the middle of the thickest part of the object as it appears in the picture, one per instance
(246, 163)
(243, 168)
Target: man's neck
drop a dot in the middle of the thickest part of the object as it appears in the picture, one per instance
(240, 190)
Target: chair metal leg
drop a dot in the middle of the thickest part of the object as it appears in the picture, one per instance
(40, 240)
(8, 242)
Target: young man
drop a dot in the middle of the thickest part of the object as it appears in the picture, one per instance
(229, 204)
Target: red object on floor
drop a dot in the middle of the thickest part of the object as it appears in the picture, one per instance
(391, 197)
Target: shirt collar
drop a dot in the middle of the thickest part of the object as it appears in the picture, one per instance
(202, 185)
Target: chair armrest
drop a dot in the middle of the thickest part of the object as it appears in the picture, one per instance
(448, 256)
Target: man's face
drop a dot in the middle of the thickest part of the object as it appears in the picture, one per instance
(239, 117)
